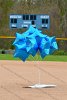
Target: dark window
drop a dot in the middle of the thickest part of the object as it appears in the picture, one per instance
(43, 21)
(15, 20)
(34, 17)
(12, 20)
(24, 17)
(33, 22)
(46, 21)
(27, 17)
(31, 17)
(24, 27)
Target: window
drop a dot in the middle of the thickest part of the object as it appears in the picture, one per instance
(32, 17)
(13, 20)
(27, 17)
(46, 21)
(24, 17)
(24, 27)
(33, 22)
(43, 21)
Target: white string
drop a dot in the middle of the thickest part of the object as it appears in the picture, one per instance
(39, 73)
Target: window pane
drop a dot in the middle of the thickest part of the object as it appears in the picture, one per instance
(23, 17)
(12, 20)
(34, 17)
(46, 21)
(43, 21)
(27, 17)
(15, 20)
(31, 17)
(33, 22)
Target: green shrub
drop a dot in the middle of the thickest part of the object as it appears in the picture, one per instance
(60, 52)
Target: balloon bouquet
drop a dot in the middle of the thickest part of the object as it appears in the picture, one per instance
(32, 41)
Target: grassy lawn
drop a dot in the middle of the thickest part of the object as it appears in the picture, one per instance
(36, 58)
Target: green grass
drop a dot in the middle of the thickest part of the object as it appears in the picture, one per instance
(36, 58)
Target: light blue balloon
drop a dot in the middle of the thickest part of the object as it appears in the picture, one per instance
(31, 41)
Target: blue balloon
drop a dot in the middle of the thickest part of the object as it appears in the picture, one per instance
(31, 41)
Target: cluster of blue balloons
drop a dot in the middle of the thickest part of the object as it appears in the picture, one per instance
(31, 41)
